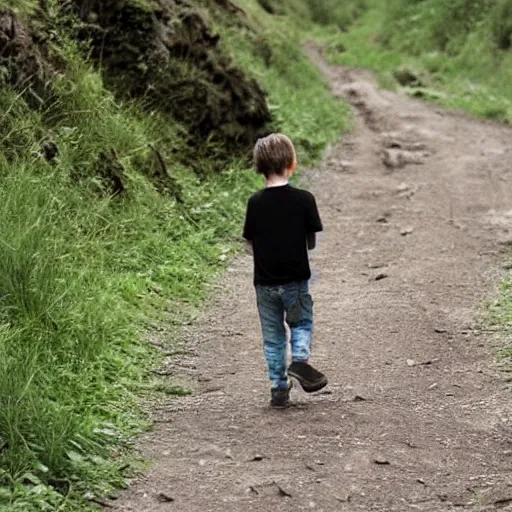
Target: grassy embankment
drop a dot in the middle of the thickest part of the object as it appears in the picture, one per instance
(85, 275)
(457, 53)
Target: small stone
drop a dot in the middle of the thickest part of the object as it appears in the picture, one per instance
(358, 398)
(381, 276)
(403, 187)
(440, 330)
(283, 492)
(411, 362)
(257, 458)
(406, 231)
(164, 498)
(421, 481)
(433, 386)
(381, 462)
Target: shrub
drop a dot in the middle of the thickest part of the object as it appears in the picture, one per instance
(336, 12)
(501, 24)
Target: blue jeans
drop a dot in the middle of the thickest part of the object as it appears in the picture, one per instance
(276, 304)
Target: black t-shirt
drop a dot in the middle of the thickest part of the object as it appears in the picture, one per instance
(277, 223)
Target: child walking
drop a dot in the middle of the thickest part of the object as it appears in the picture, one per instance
(280, 226)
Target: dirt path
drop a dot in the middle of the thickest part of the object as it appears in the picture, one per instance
(415, 417)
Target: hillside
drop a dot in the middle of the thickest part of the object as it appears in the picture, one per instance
(125, 139)
(457, 53)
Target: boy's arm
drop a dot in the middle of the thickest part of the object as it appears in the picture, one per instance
(313, 222)
(248, 229)
(311, 238)
(248, 246)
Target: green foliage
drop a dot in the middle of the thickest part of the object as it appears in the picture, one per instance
(501, 24)
(500, 315)
(336, 12)
(451, 45)
(431, 24)
(24, 7)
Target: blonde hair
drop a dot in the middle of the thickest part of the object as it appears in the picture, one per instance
(274, 154)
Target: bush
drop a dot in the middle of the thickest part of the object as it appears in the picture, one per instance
(336, 12)
(501, 24)
(432, 24)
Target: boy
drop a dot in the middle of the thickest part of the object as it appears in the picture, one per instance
(280, 226)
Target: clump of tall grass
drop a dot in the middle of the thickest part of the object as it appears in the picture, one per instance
(334, 12)
(24, 7)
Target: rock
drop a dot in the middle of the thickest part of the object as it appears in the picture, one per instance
(433, 386)
(381, 462)
(406, 231)
(358, 398)
(381, 276)
(393, 159)
(23, 65)
(411, 362)
(142, 52)
(345, 166)
(406, 77)
(440, 331)
(257, 458)
(283, 492)
(164, 498)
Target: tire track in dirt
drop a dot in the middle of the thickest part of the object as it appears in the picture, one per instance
(415, 204)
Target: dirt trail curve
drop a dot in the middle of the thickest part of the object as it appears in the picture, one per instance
(415, 206)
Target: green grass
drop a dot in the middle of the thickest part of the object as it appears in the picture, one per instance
(460, 64)
(84, 274)
(500, 316)
(24, 7)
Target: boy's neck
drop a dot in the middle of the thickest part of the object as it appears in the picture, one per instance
(276, 181)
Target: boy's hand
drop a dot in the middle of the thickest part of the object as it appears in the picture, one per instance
(311, 238)
(248, 246)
